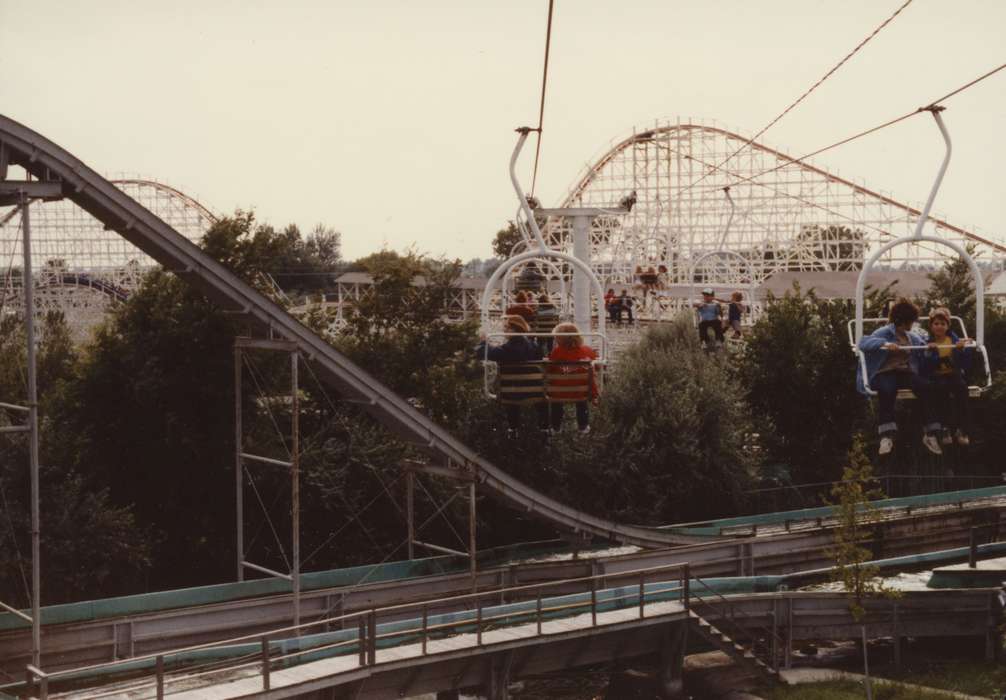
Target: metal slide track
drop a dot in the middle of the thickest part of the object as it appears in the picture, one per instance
(66, 176)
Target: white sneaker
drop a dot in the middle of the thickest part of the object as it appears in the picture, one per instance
(886, 445)
(584, 430)
(962, 438)
(932, 444)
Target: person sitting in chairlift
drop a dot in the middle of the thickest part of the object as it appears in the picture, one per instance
(569, 347)
(946, 363)
(545, 317)
(611, 305)
(889, 368)
(710, 316)
(516, 349)
(521, 308)
(625, 304)
(734, 313)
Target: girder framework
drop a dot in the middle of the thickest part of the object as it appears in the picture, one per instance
(83, 268)
(789, 216)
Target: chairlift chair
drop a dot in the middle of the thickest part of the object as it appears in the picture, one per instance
(856, 324)
(543, 255)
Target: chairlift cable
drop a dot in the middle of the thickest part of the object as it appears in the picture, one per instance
(544, 82)
(929, 106)
(806, 93)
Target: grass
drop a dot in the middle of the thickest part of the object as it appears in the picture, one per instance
(972, 677)
(848, 690)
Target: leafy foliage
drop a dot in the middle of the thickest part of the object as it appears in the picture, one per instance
(671, 440)
(855, 516)
(505, 239)
(797, 357)
(91, 546)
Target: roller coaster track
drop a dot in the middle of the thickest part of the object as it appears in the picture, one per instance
(56, 168)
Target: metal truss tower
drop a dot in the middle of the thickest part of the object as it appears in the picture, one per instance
(792, 216)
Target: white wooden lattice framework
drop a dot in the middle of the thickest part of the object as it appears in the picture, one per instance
(790, 216)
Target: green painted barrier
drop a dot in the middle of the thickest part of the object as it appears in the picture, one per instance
(107, 608)
(712, 528)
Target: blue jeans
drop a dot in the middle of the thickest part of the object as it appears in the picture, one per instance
(952, 395)
(886, 384)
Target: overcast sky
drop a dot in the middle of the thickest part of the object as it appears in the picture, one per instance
(392, 120)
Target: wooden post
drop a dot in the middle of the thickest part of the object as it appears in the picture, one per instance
(265, 662)
(160, 677)
(410, 507)
(897, 637)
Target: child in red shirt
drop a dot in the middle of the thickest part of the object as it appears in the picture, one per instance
(569, 347)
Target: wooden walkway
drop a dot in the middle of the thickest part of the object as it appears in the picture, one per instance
(247, 682)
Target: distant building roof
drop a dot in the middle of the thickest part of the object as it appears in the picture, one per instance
(842, 285)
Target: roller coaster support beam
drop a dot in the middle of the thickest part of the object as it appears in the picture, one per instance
(242, 344)
(29, 328)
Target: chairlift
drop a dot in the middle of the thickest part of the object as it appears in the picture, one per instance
(856, 325)
(722, 252)
(536, 381)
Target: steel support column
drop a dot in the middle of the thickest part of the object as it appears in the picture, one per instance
(29, 327)
(293, 464)
(581, 284)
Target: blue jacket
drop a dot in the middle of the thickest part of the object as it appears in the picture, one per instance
(872, 349)
(517, 348)
(961, 358)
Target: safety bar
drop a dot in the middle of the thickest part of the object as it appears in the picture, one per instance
(851, 326)
(598, 364)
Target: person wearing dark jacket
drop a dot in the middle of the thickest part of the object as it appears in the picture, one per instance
(890, 366)
(516, 349)
(946, 364)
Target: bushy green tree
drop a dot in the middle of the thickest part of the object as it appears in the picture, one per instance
(401, 332)
(799, 376)
(90, 545)
(672, 439)
(505, 239)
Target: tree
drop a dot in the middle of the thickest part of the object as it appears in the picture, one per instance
(259, 252)
(856, 515)
(80, 522)
(401, 331)
(505, 240)
(672, 439)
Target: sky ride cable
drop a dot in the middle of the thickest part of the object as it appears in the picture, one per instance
(804, 95)
(544, 82)
(794, 161)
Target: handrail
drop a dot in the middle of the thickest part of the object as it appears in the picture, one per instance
(729, 620)
(477, 596)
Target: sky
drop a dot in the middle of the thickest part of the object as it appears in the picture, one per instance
(392, 121)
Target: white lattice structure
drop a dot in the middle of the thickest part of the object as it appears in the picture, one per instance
(789, 216)
(81, 269)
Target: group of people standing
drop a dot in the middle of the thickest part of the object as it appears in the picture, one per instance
(934, 369)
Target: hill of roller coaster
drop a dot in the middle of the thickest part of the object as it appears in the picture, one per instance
(117, 211)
